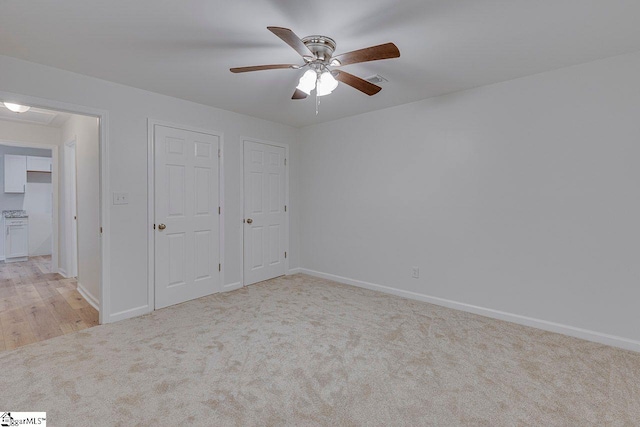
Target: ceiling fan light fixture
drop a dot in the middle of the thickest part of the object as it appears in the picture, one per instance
(16, 108)
(326, 84)
(307, 82)
(317, 51)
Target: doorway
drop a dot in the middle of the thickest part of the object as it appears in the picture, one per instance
(41, 294)
(266, 221)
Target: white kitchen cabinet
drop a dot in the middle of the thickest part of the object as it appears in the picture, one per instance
(15, 173)
(38, 164)
(16, 239)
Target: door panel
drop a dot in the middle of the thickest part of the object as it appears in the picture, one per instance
(256, 192)
(274, 247)
(186, 203)
(264, 194)
(176, 185)
(203, 191)
(203, 266)
(257, 258)
(177, 267)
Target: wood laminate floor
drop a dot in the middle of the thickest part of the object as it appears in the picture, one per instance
(36, 305)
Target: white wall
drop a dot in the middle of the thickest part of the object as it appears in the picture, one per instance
(128, 110)
(85, 131)
(29, 133)
(520, 196)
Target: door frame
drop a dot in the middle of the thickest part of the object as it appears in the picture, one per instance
(151, 248)
(71, 224)
(286, 202)
(103, 154)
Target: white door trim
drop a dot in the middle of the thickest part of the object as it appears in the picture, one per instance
(151, 123)
(105, 314)
(286, 200)
(70, 224)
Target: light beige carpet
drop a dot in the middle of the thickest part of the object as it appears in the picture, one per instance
(304, 351)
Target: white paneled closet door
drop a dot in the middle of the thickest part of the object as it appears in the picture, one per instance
(264, 211)
(187, 234)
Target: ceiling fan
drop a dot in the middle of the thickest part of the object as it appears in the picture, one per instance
(317, 53)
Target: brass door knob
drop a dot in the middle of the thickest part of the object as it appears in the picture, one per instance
(162, 227)
(249, 221)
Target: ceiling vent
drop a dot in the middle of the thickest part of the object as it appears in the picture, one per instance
(377, 79)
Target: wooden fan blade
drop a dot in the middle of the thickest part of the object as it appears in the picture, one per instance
(373, 53)
(358, 83)
(262, 67)
(290, 38)
(298, 94)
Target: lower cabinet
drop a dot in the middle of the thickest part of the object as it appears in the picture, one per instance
(16, 240)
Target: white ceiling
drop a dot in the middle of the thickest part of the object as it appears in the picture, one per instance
(35, 116)
(184, 48)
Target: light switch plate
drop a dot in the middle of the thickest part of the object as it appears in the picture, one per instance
(120, 198)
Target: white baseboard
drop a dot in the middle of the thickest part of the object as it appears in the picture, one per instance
(39, 254)
(128, 314)
(63, 273)
(601, 338)
(231, 287)
(19, 259)
(88, 296)
(294, 271)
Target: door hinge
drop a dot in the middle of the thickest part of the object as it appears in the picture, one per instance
(219, 267)
(219, 153)
(219, 210)
(285, 208)
(285, 254)
(100, 230)
(285, 162)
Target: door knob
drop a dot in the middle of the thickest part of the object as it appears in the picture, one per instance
(162, 227)
(249, 220)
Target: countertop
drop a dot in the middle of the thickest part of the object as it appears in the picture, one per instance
(15, 214)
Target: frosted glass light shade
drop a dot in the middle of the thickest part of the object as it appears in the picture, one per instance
(307, 82)
(326, 84)
(16, 108)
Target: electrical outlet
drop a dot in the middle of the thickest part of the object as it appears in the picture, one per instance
(415, 272)
(120, 198)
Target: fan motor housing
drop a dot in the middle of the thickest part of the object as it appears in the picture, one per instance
(321, 46)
